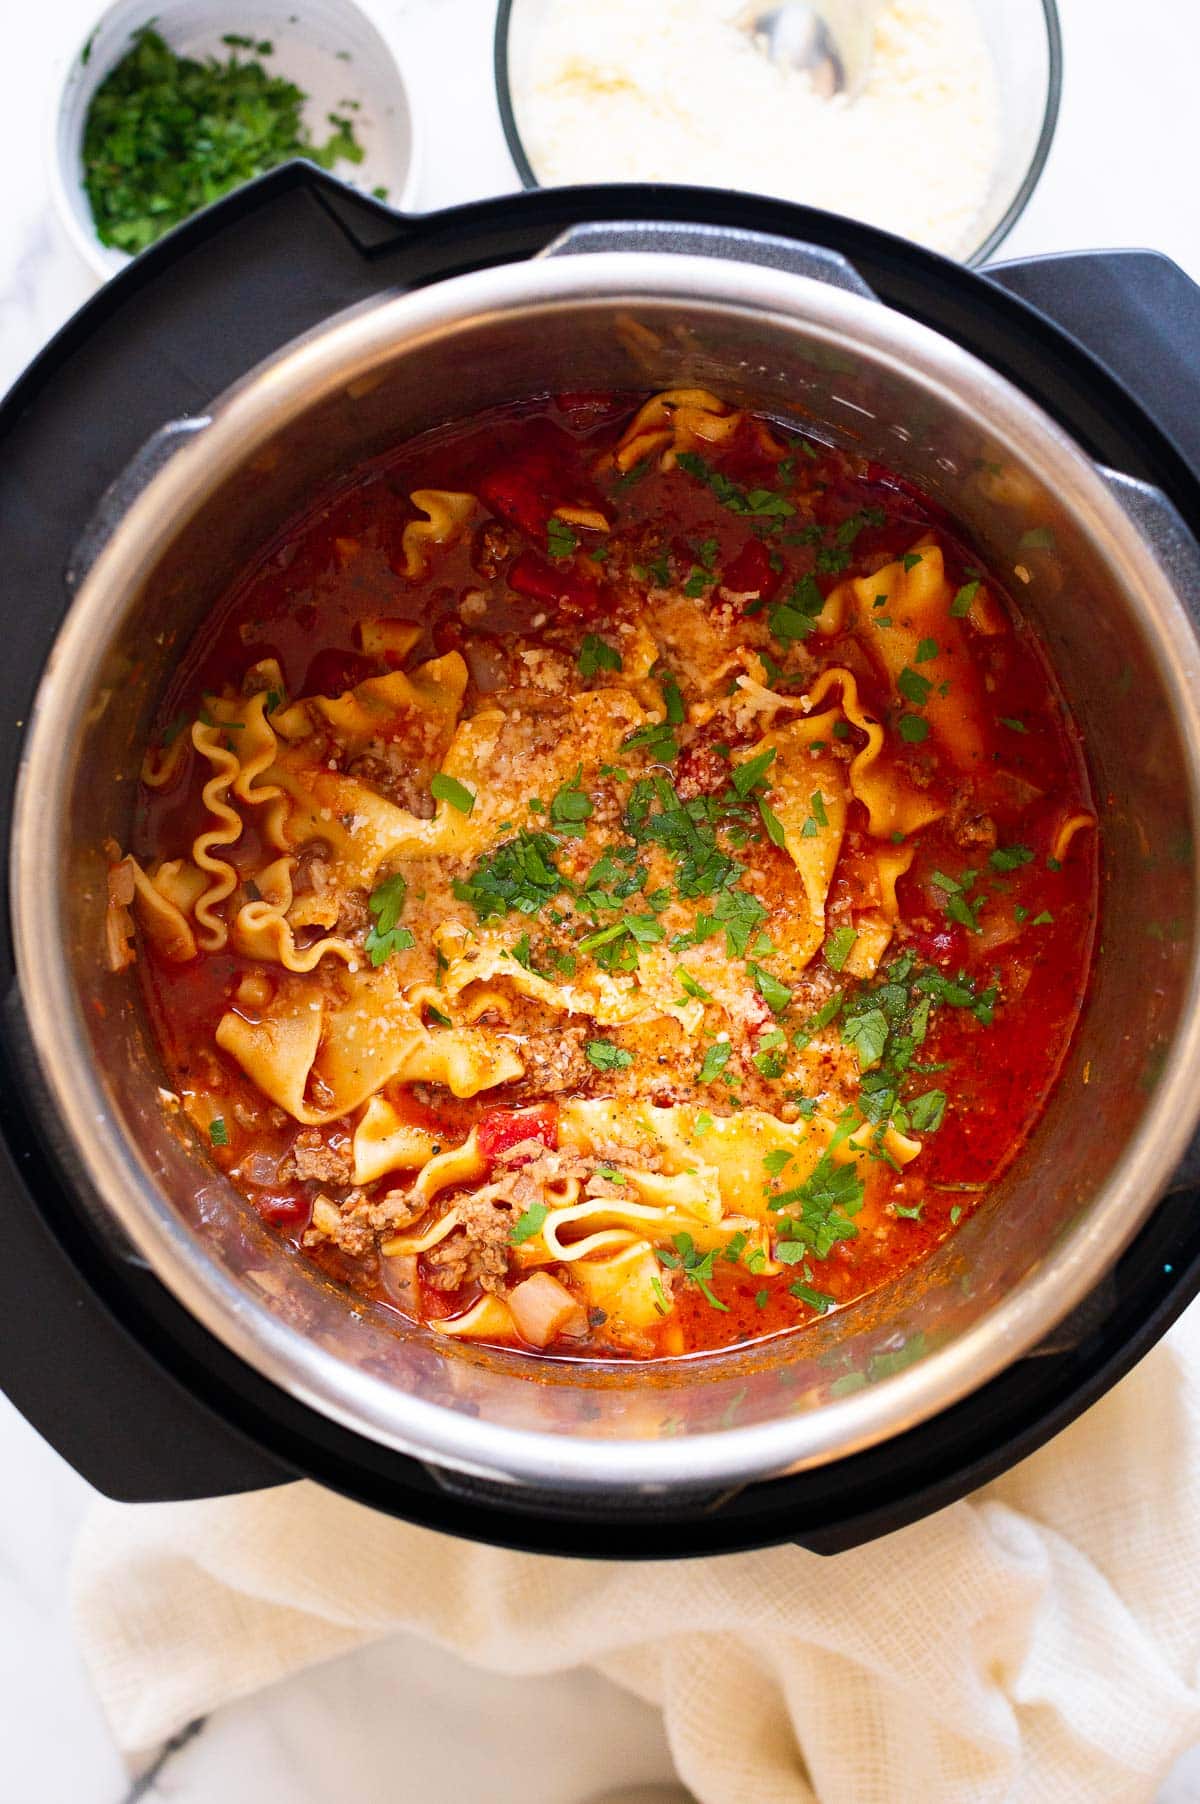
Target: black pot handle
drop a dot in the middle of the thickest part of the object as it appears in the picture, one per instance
(1135, 311)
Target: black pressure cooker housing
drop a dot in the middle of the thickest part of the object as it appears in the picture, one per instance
(95, 1352)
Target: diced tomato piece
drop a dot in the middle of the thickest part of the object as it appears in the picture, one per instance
(333, 672)
(499, 1129)
(284, 1211)
(534, 576)
(751, 572)
(946, 946)
(523, 493)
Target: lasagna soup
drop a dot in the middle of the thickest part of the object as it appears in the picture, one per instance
(615, 879)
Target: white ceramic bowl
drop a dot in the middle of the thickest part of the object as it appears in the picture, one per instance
(330, 48)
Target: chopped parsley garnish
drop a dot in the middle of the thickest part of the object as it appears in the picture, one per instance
(757, 503)
(913, 727)
(672, 700)
(839, 946)
(793, 617)
(827, 1202)
(615, 948)
(773, 824)
(817, 805)
(1013, 725)
(218, 1133)
(907, 1211)
(956, 900)
(631, 476)
(561, 538)
(911, 560)
(689, 986)
(867, 1034)
(748, 775)
(913, 686)
(607, 1057)
(926, 651)
(450, 790)
(1010, 858)
(961, 605)
(386, 905)
(1045, 919)
(656, 739)
(571, 808)
(828, 1012)
(770, 1060)
(926, 1113)
(775, 994)
(816, 1299)
(715, 1061)
(595, 655)
(775, 1161)
(520, 874)
(697, 1269)
(167, 134)
(529, 1224)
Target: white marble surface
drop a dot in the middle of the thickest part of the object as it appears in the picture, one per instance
(1120, 173)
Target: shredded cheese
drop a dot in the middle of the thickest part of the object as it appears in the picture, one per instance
(678, 90)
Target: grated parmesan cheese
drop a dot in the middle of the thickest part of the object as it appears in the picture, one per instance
(676, 90)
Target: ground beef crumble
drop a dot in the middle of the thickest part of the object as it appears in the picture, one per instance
(313, 1159)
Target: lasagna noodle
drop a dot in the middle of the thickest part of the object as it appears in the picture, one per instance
(355, 1047)
(914, 597)
(448, 512)
(893, 805)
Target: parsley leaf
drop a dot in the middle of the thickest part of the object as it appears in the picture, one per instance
(868, 1034)
(571, 808)
(607, 1057)
(748, 775)
(529, 1224)
(218, 1133)
(926, 1113)
(913, 686)
(816, 1299)
(561, 538)
(520, 874)
(1010, 858)
(697, 1269)
(775, 994)
(656, 739)
(715, 1061)
(839, 946)
(385, 905)
(449, 789)
(961, 605)
(596, 655)
(913, 727)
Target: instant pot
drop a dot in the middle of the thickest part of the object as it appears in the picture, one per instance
(154, 1331)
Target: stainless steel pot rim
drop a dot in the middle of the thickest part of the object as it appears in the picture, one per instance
(326, 361)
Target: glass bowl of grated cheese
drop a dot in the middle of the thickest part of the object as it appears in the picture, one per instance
(944, 145)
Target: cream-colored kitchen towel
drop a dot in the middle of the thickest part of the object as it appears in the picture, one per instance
(1037, 1644)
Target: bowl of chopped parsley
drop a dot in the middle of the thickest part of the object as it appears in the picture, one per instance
(170, 106)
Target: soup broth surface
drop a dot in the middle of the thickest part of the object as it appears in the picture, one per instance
(614, 879)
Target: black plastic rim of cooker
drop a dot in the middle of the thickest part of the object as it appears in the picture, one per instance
(95, 1352)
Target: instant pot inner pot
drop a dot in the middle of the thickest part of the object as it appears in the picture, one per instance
(1066, 579)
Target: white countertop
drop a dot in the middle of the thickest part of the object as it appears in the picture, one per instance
(1120, 173)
